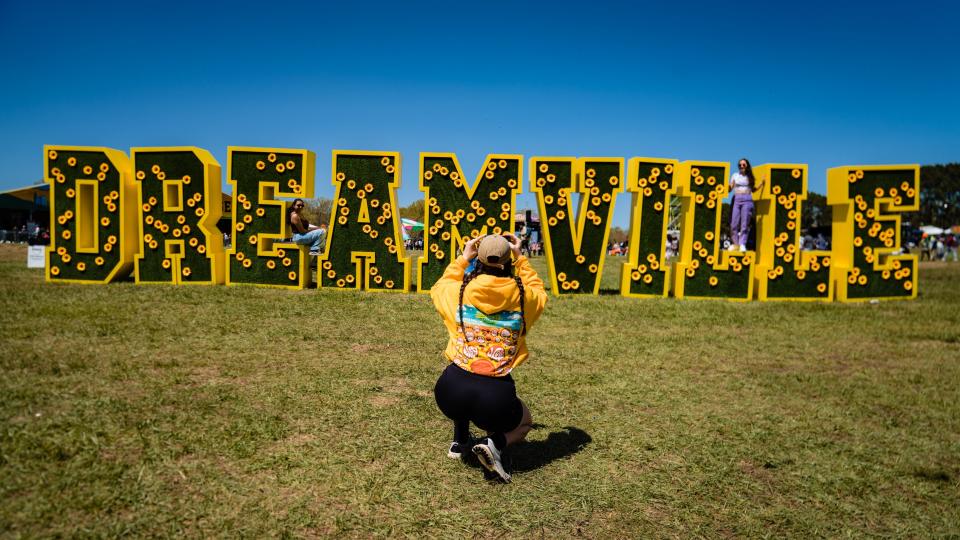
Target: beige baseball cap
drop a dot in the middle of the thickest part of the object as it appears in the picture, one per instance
(494, 251)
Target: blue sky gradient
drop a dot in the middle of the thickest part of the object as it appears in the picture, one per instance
(816, 82)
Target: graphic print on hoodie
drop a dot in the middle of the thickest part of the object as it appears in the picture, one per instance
(490, 342)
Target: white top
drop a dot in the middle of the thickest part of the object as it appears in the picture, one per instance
(741, 184)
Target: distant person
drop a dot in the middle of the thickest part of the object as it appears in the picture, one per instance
(670, 248)
(950, 245)
(742, 185)
(821, 242)
(535, 246)
(303, 232)
(487, 312)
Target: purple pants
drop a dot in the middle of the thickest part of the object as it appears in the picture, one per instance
(742, 218)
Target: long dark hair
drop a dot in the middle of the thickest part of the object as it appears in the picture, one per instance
(292, 211)
(749, 174)
(481, 269)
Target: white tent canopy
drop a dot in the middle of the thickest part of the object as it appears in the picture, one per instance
(931, 230)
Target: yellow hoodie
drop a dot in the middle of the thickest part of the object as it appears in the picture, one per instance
(493, 344)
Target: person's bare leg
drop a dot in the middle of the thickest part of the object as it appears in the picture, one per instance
(520, 432)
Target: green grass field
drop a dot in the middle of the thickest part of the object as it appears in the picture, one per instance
(242, 411)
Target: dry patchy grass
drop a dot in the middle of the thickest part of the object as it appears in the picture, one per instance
(215, 411)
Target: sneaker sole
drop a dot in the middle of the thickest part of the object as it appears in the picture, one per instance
(454, 455)
(486, 459)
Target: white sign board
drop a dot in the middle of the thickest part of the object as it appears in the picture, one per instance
(35, 256)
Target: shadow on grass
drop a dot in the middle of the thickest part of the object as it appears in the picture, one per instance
(529, 456)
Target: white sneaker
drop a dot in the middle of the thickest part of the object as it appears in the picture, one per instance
(489, 456)
(743, 248)
(455, 451)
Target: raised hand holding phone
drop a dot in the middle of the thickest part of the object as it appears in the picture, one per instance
(514, 244)
(470, 248)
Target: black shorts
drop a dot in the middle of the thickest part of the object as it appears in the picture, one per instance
(489, 402)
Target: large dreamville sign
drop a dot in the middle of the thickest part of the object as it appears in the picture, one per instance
(154, 213)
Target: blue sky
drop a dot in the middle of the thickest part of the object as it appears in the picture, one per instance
(821, 83)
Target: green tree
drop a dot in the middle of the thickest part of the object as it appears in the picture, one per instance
(815, 212)
(939, 196)
(618, 235)
(413, 210)
(318, 210)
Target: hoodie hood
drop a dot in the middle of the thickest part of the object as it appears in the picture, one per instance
(492, 294)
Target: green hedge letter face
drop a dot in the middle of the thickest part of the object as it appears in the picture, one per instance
(784, 272)
(180, 204)
(576, 244)
(866, 203)
(92, 214)
(364, 246)
(258, 176)
(704, 269)
(651, 182)
(456, 210)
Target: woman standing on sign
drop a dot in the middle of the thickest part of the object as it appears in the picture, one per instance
(742, 185)
(303, 232)
(487, 312)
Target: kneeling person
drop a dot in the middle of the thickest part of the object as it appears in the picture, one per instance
(487, 311)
